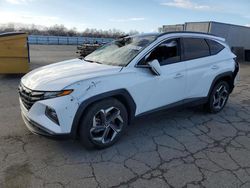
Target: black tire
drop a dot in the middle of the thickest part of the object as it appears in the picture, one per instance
(89, 131)
(215, 105)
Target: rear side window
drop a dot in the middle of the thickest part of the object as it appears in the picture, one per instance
(215, 47)
(194, 48)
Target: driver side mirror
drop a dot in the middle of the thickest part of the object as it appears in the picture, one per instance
(155, 67)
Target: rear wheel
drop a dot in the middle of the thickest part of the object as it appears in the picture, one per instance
(218, 97)
(103, 123)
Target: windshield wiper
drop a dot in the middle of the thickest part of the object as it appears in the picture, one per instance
(90, 61)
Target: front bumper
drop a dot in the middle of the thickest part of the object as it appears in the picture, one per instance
(37, 121)
(40, 130)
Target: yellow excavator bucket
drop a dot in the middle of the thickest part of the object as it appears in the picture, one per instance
(14, 53)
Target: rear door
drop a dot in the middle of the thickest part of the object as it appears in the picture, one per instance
(196, 55)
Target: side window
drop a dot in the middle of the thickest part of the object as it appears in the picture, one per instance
(194, 48)
(215, 47)
(167, 52)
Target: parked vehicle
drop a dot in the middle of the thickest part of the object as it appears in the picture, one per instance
(95, 98)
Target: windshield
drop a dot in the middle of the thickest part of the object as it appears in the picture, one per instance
(121, 51)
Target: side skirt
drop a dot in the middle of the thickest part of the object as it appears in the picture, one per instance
(177, 105)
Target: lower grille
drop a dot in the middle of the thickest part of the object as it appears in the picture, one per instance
(29, 97)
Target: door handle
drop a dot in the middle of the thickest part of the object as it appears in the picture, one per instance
(178, 75)
(214, 67)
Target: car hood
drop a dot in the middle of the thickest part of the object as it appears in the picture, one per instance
(60, 75)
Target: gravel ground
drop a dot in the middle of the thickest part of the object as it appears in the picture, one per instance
(186, 148)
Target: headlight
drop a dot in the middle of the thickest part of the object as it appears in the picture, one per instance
(53, 94)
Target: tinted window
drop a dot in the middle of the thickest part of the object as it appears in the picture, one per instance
(166, 53)
(195, 48)
(215, 47)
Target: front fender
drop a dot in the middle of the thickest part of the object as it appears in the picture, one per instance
(120, 94)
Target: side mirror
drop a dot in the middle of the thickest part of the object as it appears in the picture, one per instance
(155, 67)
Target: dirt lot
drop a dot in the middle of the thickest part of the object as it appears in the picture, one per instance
(186, 148)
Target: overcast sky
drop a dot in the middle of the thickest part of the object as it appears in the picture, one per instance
(126, 15)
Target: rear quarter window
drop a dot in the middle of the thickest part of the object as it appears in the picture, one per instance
(214, 46)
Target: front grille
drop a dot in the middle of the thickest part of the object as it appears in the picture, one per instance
(29, 97)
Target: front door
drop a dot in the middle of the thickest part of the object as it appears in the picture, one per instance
(169, 87)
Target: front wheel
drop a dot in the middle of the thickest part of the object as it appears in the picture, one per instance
(103, 123)
(218, 97)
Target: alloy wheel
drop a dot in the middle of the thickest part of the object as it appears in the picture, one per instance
(220, 97)
(106, 125)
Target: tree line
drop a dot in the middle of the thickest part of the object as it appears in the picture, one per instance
(61, 30)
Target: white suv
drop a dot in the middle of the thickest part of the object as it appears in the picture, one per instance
(95, 98)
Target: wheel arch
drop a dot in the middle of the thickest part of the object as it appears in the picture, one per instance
(227, 76)
(122, 95)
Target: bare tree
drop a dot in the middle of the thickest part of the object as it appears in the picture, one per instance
(61, 30)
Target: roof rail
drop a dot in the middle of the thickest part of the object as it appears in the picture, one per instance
(192, 32)
(187, 32)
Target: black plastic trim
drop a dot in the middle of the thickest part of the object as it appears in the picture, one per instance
(219, 77)
(121, 94)
(236, 70)
(180, 104)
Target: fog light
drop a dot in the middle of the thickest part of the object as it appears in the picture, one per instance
(51, 114)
